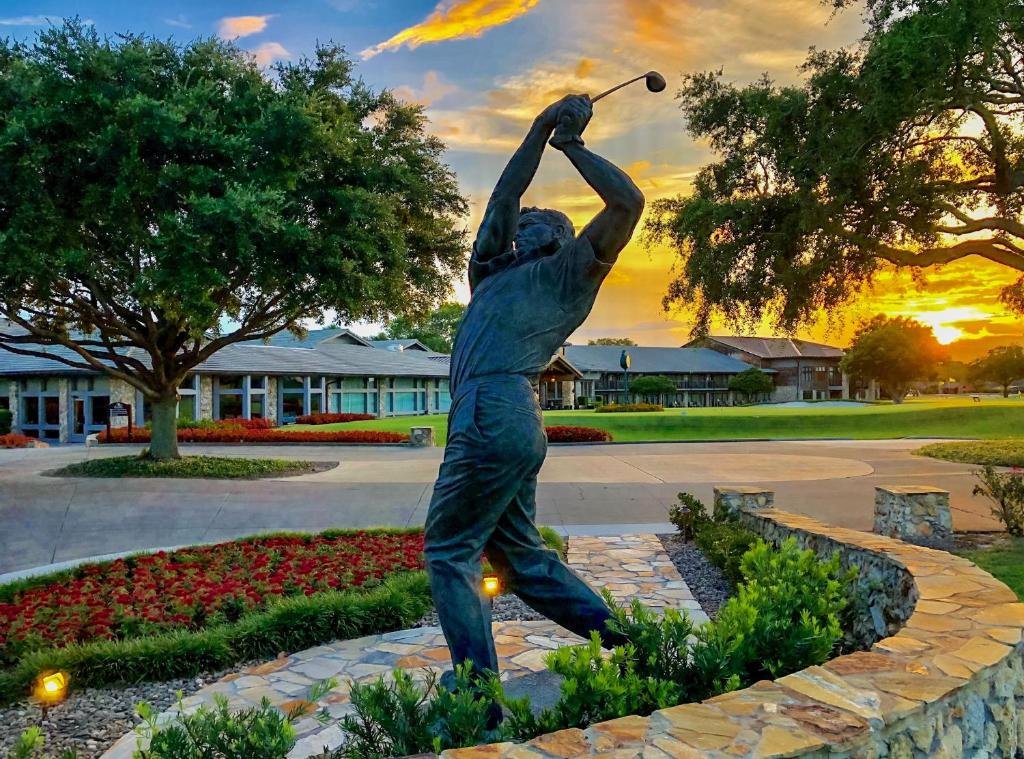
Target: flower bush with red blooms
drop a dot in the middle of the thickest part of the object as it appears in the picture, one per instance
(333, 418)
(248, 424)
(14, 440)
(196, 587)
(577, 435)
(228, 434)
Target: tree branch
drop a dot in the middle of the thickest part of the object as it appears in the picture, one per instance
(991, 249)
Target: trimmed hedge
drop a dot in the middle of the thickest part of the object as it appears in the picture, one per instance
(288, 625)
(577, 435)
(333, 418)
(6, 418)
(243, 435)
(624, 408)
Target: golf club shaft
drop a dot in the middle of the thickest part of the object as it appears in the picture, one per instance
(616, 87)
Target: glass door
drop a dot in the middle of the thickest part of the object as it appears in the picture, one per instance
(78, 427)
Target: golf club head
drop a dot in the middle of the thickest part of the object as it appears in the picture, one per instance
(655, 81)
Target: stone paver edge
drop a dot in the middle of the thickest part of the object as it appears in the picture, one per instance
(949, 683)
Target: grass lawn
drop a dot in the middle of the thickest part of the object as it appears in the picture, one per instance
(925, 417)
(201, 467)
(982, 452)
(1005, 561)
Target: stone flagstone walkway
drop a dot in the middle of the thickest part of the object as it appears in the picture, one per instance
(629, 566)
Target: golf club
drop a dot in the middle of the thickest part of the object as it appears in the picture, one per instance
(655, 83)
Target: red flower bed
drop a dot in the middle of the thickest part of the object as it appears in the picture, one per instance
(195, 587)
(332, 418)
(577, 435)
(241, 435)
(14, 440)
(248, 424)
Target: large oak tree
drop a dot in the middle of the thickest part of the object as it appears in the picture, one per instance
(896, 351)
(163, 201)
(906, 151)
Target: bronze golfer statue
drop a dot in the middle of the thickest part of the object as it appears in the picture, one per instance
(533, 283)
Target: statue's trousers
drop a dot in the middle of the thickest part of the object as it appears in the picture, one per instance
(485, 498)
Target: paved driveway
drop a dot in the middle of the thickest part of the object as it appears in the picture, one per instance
(45, 519)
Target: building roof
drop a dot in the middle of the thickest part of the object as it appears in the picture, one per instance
(314, 337)
(605, 358)
(773, 347)
(330, 356)
(401, 344)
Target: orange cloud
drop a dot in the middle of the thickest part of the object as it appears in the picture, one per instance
(455, 19)
(435, 87)
(269, 52)
(233, 27)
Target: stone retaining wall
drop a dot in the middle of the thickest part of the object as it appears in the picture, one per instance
(949, 683)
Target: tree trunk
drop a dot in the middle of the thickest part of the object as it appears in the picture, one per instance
(164, 441)
(1006, 391)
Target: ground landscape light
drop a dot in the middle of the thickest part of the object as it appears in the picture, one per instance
(52, 688)
(492, 586)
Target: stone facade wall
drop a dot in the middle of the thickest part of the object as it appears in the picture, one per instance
(64, 404)
(205, 397)
(271, 400)
(917, 514)
(122, 392)
(12, 399)
(949, 683)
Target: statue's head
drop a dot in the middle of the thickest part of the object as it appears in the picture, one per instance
(541, 232)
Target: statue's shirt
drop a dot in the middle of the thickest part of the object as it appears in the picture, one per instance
(518, 318)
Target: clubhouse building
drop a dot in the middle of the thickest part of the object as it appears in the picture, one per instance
(335, 370)
(331, 370)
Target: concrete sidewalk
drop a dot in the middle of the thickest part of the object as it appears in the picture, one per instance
(44, 519)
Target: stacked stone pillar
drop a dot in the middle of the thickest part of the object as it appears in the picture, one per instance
(914, 513)
(734, 500)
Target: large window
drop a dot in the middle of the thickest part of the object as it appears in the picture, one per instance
(188, 399)
(39, 415)
(442, 397)
(352, 395)
(240, 397)
(292, 398)
(405, 395)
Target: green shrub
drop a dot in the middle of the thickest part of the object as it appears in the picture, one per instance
(723, 543)
(399, 717)
(5, 421)
(260, 732)
(553, 539)
(625, 408)
(30, 745)
(593, 689)
(1006, 490)
(688, 515)
(784, 617)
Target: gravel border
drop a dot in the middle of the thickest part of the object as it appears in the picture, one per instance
(92, 720)
(705, 580)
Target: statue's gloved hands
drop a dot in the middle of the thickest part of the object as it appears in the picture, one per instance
(573, 116)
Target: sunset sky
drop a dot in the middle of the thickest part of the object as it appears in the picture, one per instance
(484, 68)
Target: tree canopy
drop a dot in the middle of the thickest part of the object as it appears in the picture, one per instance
(1001, 366)
(908, 151)
(895, 351)
(652, 385)
(623, 341)
(752, 382)
(167, 200)
(436, 329)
